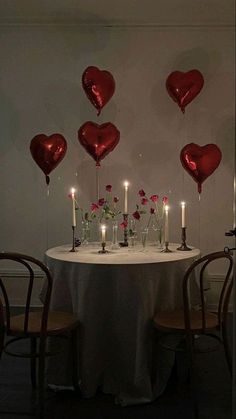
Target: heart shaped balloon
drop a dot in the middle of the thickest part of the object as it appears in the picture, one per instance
(99, 86)
(184, 87)
(200, 161)
(98, 140)
(48, 151)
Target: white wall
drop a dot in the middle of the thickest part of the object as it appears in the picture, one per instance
(41, 92)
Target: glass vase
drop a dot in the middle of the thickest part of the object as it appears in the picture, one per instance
(114, 243)
(85, 232)
(160, 238)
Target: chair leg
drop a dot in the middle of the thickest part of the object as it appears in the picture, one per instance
(192, 378)
(41, 377)
(33, 361)
(228, 354)
(2, 335)
(74, 346)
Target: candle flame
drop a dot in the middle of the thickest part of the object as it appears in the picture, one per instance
(103, 227)
(183, 204)
(126, 184)
(167, 208)
(72, 191)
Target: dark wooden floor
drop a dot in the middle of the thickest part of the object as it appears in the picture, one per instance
(214, 394)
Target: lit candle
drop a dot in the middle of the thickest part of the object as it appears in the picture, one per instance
(73, 207)
(103, 228)
(166, 223)
(183, 205)
(126, 185)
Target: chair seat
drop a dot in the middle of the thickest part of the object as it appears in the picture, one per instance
(174, 321)
(58, 322)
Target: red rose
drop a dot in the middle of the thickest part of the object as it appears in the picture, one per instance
(136, 215)
(152, 211)
(115, 199)
(141, 192)
(94, 207)
(144, 201)
(165, 200)
(124, 224)
(108, 188)
(101, 202)
(154, 198)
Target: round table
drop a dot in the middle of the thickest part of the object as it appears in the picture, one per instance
(115, 296)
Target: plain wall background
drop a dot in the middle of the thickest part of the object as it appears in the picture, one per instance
(41, 92)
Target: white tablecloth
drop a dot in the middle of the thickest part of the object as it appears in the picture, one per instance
(115, 296)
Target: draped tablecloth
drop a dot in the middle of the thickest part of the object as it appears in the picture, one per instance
(115, 296)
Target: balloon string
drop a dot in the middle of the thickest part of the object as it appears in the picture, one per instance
(47, 215)
(97, 182)
(199, 223)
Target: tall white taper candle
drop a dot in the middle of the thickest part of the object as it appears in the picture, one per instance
(126, 185)
(183, 205)
(166, 223)
(73, 207)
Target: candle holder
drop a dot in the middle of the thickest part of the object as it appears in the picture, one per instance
(125, 221)
(103, 248)
(166, 250)
(73, 240)
(183, 244)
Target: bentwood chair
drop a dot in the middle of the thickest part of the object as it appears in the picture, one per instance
(37, 326)
(192, 324)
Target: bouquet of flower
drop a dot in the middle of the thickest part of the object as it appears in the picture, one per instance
(106, 208)
(155, 207)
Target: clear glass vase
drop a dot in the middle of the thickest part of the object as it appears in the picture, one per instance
(85, 232)
(158, 227)
(114, 243)
(160, 238)
(132, 235)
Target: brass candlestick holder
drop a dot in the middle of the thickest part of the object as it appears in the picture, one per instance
(166, 250)
(103, 248)
(183, 244)
(73, 240)
(125, 242)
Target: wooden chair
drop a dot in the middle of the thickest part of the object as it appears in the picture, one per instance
(36, 326)
(191, 323)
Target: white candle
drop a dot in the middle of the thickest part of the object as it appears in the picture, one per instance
(103, 228)
(126, 185)
(73, 207)
(166, 223)
(183, 205)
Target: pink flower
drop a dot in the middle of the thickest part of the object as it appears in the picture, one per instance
(124, 224)
(152, 211)
(108, 188)
(94, 207)
(144, 201)
(154, 198)
(115, 199)
(141, 192)
(101, 202)
(165, 200)
(136, 215)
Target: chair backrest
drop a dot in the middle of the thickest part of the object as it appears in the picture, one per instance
(199, 268)
(30, 264)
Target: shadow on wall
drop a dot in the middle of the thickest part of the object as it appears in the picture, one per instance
(9, 122)
(225, 139)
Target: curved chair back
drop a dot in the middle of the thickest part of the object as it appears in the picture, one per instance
(29, 263)
(199, 267)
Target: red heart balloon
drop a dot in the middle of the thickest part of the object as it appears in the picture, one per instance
(48, 151)
(184, 87)
(98, 140)
(99, 86)
(200, 161)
